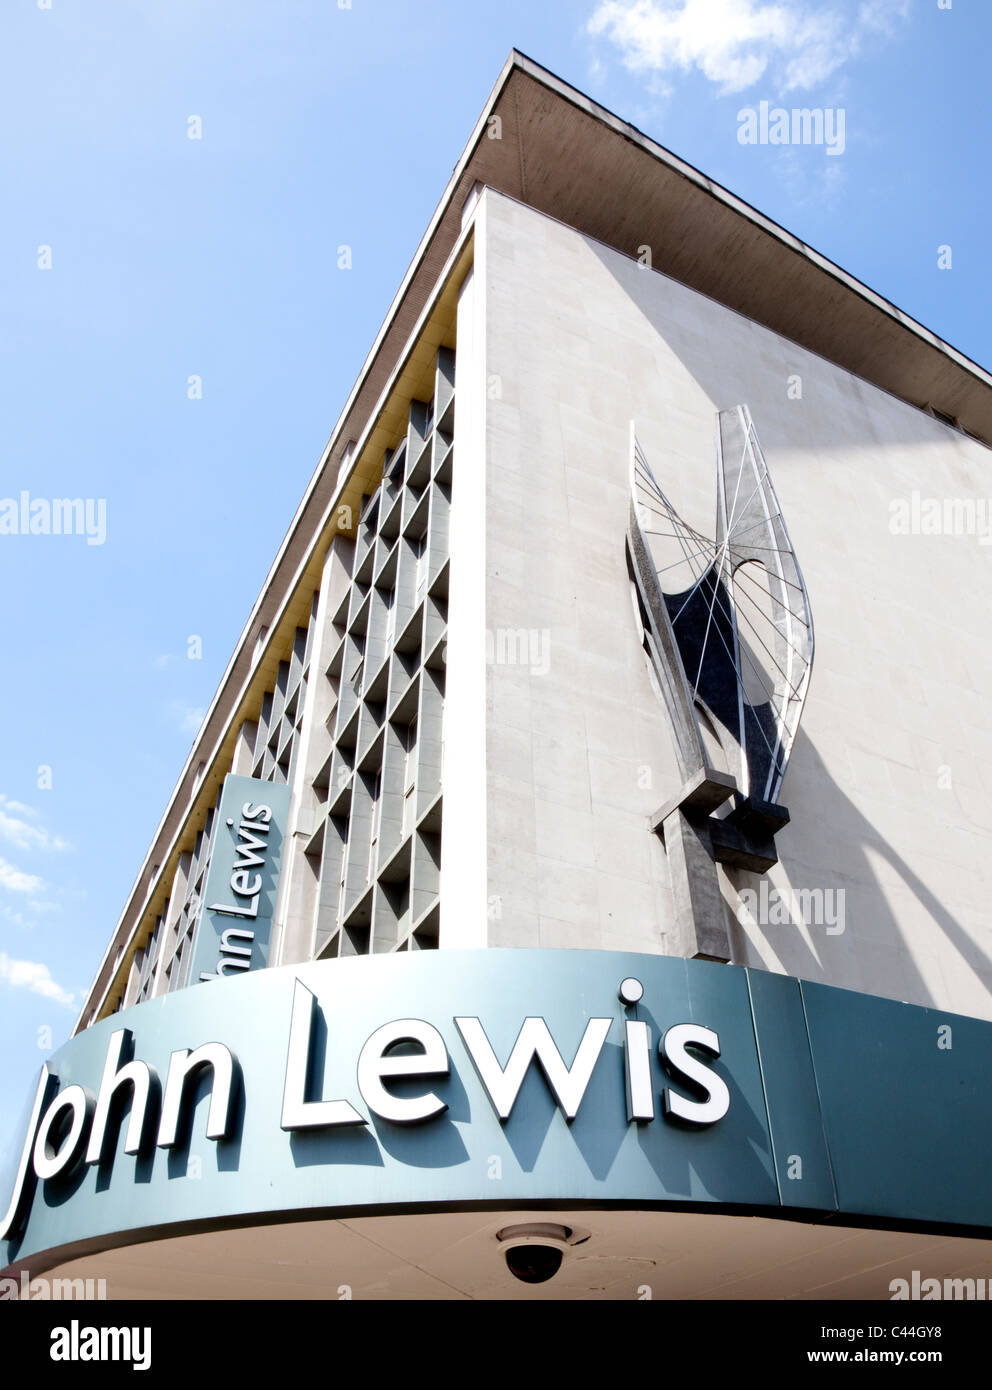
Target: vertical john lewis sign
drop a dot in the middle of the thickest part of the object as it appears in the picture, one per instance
(239, 893)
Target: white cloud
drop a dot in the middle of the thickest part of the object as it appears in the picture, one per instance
(18, 881)
(810, 185)
(17, 917)
(189, 717)
(733, 42)
(35, 976)
(883, 14)
(18, 824)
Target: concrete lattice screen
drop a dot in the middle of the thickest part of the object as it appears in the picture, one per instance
(377, 851)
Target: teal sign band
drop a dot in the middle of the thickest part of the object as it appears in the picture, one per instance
(501, 1078)
(239, 891)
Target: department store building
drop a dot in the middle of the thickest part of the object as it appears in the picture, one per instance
(537, 915)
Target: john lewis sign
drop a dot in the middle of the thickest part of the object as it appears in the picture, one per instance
(451, 1079)
(242, 879)
(74, 1125)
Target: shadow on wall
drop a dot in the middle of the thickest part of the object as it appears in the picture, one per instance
(891, 917)
(733, 359)
(860, 941)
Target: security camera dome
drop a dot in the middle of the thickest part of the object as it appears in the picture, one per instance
(534, 1264)
(534, 1252)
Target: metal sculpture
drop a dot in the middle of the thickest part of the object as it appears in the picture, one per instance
(727, 624)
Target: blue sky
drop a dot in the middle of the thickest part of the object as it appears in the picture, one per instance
(325, 124)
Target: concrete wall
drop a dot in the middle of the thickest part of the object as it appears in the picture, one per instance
(890, 778)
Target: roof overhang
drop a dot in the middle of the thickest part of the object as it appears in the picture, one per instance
(568, 157)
